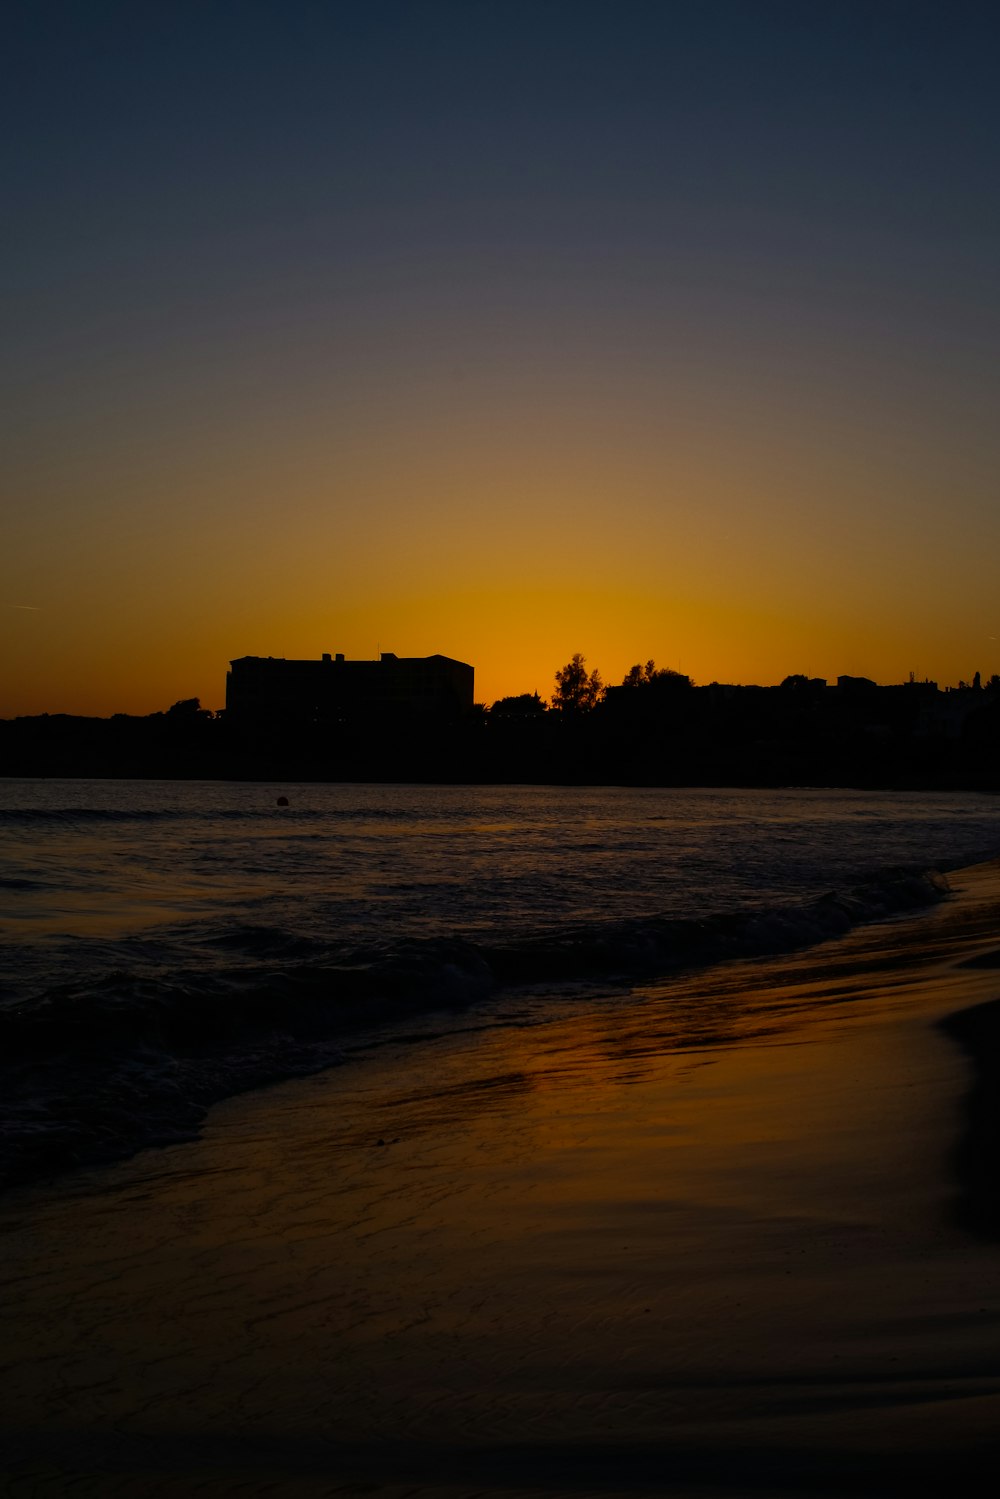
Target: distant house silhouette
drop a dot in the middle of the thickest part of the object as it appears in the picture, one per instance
(272, 690)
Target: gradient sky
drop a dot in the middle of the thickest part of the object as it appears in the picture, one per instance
(499, 329)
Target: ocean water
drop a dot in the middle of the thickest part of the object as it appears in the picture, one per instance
(163, 944)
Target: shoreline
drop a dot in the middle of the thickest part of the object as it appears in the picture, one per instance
(93, 1075)
(708, 1242)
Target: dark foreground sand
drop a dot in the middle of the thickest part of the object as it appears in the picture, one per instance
(584, 1261)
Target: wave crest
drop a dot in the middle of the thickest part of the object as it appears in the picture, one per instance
(96, 1070)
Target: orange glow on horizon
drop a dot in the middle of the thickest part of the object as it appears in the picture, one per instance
(509, 538)
(482, 339)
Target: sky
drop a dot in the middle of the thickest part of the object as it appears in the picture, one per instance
(497, 329)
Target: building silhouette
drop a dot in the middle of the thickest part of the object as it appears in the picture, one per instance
(270, 690)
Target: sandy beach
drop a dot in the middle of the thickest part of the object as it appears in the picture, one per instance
(732, 1236)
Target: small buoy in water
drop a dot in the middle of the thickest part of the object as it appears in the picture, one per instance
(282, 801)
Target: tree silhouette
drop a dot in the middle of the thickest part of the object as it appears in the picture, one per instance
(523, 705)
(188, 708)
(577, 691)
(652, 676)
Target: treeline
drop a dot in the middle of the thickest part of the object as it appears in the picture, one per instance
(657, 728)
(654, 728)
(185, 742)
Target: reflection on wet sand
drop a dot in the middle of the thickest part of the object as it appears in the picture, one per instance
(702, 1243)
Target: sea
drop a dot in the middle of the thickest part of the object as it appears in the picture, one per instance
(164, 944)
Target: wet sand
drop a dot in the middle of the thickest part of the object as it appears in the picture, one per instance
(731, 1237)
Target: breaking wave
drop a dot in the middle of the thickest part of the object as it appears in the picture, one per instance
(100, 1067)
